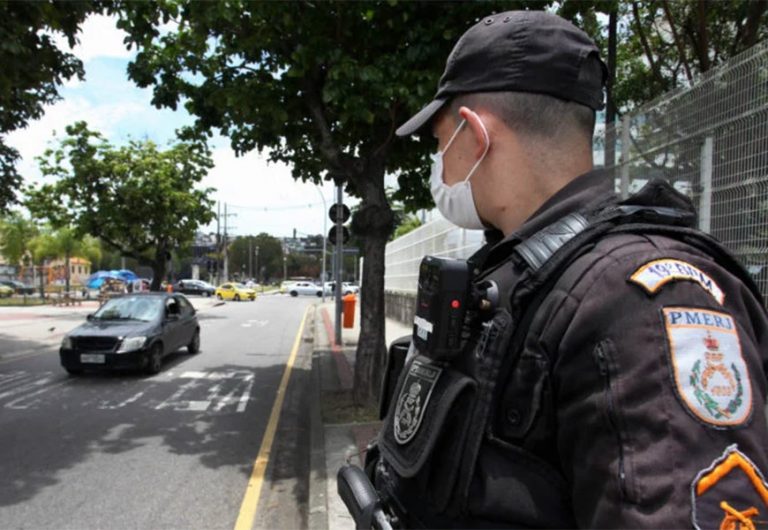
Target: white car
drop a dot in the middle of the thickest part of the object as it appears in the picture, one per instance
(297, 288)
(346, 288)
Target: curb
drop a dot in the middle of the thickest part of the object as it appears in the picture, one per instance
(318, 502)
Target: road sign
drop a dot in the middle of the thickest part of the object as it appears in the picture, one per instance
(334, 212)
(332, 235)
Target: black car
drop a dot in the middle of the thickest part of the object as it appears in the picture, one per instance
(194, 287)
(132, 331)
(18, 287)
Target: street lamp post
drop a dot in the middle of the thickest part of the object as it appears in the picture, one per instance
(325, 232)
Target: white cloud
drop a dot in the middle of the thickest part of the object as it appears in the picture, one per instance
(34, 139)
(265, 198)
(99, 37)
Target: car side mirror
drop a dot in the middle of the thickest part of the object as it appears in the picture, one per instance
(89, 317)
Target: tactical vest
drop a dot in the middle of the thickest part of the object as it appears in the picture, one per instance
(470, 443)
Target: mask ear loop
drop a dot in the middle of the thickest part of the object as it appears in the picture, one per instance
(455, 134)
(487, 147)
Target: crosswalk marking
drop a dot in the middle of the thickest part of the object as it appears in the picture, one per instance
(196, 391)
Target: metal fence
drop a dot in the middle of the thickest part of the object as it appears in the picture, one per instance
(437, 237)
(710, 141)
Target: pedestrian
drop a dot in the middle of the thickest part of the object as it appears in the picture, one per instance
(620, 381)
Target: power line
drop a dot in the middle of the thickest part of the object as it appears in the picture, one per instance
(275, 208)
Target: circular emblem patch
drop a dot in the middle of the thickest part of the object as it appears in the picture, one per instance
(412, 401)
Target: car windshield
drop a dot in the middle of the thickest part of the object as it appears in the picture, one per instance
(142, 308)
(239, 285)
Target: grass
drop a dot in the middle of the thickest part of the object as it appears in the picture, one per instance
(338, 407)
(21, 302)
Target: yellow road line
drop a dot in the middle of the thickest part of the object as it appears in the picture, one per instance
(253, 490)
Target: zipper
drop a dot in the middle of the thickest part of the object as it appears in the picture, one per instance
(601, 357)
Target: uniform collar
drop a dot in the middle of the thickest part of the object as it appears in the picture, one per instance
(580, 194)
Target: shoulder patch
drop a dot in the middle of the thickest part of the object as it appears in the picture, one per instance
(653, 275)
(711, 377)
(730, 493)
(413, 399)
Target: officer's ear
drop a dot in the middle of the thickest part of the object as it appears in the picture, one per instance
(479, 130)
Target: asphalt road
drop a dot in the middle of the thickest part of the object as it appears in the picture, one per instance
(175, 450)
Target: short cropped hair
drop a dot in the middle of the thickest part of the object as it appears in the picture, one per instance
(537, 116)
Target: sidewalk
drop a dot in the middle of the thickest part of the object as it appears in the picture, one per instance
(334, 444)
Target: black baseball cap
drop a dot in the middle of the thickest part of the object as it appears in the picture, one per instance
(520, 51)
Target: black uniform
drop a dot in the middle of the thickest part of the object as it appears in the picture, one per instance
(620, 384)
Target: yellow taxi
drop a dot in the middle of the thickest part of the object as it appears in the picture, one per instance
(235, 291)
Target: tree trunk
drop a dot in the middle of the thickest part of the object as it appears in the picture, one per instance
(158, 268)
(373, 223)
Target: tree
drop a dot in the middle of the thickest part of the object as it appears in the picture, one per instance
(33, 70)
(16, 235)
(64, 243)
(322, 87)
(137, 199)
(409, 223)
(266, 256)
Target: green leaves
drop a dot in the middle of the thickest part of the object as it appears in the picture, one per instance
(136, 198)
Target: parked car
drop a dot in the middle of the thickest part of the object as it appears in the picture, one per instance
(18, 287)
(194, 287)
(5, 291)
(235, 291)
(132, 331)
(297, 288)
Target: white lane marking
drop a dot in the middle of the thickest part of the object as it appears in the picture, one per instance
(193, 375)
(246, 325)
(133, 398)
(259, 323)
(246, 395)
(173, 401)
(15, 404)
(14, 378)
(10, 376)
(226, 400)
(26, 387)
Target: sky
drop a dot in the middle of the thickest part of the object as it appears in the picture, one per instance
(262, 196)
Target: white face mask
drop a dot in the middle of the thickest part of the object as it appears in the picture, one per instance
(456, 202)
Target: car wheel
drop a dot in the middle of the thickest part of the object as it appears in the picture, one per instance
(155, 359)
(319, 294)
(294, 293)
(237, 298)
(219, 296)
(74, 371)
(207, 294)
(194, 346)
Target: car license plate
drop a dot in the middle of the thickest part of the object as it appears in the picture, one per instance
(97, 358)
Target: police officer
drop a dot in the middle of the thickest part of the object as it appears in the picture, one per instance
(621, 380)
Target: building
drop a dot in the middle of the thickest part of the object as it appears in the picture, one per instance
(79, 270)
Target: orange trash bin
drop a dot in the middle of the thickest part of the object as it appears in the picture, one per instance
(349, 309)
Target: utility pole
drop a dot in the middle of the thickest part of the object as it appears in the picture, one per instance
(218, 241)
(250, 257)
(226, 242)
(325, 237)
(257, 265)
(226, 245)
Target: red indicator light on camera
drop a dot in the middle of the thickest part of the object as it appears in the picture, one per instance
(455, 304)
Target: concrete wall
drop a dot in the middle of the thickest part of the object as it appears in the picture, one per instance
(400, 306)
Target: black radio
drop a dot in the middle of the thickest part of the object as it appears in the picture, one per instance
(444, 297)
